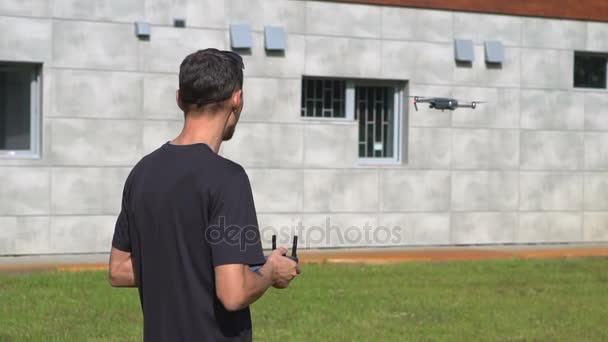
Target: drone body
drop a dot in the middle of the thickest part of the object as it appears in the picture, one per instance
(443, 103)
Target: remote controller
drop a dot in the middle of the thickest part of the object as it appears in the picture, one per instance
(293, 256)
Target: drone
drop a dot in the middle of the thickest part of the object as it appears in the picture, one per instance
(443, 103)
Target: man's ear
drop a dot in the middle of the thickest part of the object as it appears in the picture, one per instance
(178, 99)
(237, 101)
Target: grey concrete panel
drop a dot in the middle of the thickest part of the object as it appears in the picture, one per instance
(485, 149)
(500, 110)
(25, 39)
(331, 230)
(596, 191)
(8, 233)
(550, 191)
(276, 190)
(159, 97)
(595, 227)
(350, 57)
(284, 226)
(481, 27)
(80, 191)
(272, 99)
(553, 33)
(340, 190)
(545, 109)
(289, 14)
(596, 36)
(434, 63)
(25, 235)
(415, 190)
(595, 108)
(198, 13)
(331, 145)
(269, 145)
(259, 62)
(425, 117)
(95, 142)
(429, 148)
(406, 23)
(96, 94)
(85, 44)
(430, 63)
(551, 150)
(399, 59)
(596, 151)
(485, 191)
(111, 10)
(484, 227)
(508, 74)
(33, 8)
(157, 133)
(350, 20)
(82, 234)
(543, 68)
(508, 106)
(156, 57)
(24, 190)
(549, 227)
(418, 228)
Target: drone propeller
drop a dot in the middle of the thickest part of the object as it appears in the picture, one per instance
(416, 103)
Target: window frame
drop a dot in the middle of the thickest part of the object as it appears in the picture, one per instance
(589, 54)
(34, 152)
(398, 129)
(400, 117)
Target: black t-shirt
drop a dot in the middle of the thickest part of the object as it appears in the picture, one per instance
(185, 210)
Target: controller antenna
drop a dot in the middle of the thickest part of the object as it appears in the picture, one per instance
(294, 247)
(274, 242)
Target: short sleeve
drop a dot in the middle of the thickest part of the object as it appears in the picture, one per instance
(233, 233)
(121, 239)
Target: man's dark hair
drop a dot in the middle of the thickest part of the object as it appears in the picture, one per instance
(209, 76)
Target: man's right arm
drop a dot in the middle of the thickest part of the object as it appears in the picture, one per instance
(238, 287)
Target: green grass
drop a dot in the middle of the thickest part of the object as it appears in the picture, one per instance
(506, 300)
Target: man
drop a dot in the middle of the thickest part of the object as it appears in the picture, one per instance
(187, 231)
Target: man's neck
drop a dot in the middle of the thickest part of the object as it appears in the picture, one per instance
(202, 128)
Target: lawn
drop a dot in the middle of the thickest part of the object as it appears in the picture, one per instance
(505, 300)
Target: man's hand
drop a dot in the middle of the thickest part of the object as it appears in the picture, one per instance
(282, 270)
(237, 286)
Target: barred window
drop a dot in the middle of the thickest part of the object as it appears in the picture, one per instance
(20, 90)
(374, 111)
(323, 98)
(590, 70)
(376, 107)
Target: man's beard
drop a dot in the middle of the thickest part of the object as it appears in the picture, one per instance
(228, 133)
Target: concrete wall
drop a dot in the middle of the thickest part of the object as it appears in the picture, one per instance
(530, 166)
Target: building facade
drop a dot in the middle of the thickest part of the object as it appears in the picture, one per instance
(334, 148)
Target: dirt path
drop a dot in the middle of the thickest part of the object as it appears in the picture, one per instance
(368, 256)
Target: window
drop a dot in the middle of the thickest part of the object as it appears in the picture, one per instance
(19, 109)
(323, 98)
(375, 105)
(590, 70)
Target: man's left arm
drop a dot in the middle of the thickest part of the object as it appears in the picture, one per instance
(121, 269)
(121, 272)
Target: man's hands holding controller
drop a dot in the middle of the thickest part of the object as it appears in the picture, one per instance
(281, 269)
